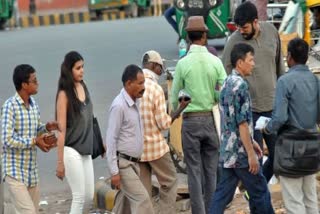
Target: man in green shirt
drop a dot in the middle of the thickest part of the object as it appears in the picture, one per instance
(199, 74)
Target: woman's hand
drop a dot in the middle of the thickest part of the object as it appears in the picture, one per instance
(60, 172)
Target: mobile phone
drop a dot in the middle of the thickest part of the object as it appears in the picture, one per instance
(50, 134)
(184, 98)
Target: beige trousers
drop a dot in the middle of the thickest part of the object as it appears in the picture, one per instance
(165, 171)
(132, 198)
(25, 199)
(300, 194)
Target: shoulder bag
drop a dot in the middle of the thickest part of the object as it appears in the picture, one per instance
(297, 151)
(98, 148)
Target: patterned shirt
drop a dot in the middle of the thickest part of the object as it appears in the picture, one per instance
(155, 118)
(235, 108)
(20, 125)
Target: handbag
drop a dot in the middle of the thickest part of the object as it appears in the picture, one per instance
(297, 153)
(98, 148)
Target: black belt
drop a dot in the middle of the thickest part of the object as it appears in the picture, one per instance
(127, 157)
(197, 114)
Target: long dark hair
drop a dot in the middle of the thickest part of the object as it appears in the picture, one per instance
(66, 83)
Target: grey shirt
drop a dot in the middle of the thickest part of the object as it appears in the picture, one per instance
(297, 103)
(125, 130)
(268, 65)
(79, 133)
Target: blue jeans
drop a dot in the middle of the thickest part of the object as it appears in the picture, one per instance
(270, 140)
(256, 185)
(168, 14)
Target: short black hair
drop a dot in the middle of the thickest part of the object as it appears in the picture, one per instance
(239, 51)
(298, 49)
(21, 74)
(245, 13)
(130, 73)
(195, 35)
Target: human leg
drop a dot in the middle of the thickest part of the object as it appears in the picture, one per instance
(133, 189)
(159, 2)
(165, 172)
(257, 135)
(168, 14)
(89, 182)
(310, 198)
(292, 194)
(256, 185)
(270, 141)
(191, 136)
(35, 196)
(209, 159)
(121, 204)
(76, 178)
(145, 176)
(20, 197)
(226, 188)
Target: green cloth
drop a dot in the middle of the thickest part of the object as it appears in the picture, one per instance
(198, 74)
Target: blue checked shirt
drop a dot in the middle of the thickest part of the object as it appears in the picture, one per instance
(20, 125)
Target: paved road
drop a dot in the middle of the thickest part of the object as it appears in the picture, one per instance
(107, 48)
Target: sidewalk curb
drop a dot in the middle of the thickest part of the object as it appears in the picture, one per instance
(71, 18)
(51, 19)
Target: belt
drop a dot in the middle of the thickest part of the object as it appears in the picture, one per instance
(127, 157)
(197, 114)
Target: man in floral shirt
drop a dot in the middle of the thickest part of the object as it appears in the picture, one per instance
(239, 153)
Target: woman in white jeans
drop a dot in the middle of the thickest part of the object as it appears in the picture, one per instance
(74, 115)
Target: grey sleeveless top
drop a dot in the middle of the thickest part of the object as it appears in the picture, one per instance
(79, 133)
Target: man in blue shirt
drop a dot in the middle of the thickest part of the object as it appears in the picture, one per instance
(297, 105)
(239, 153)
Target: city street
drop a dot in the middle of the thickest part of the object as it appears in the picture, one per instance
(107, 47)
